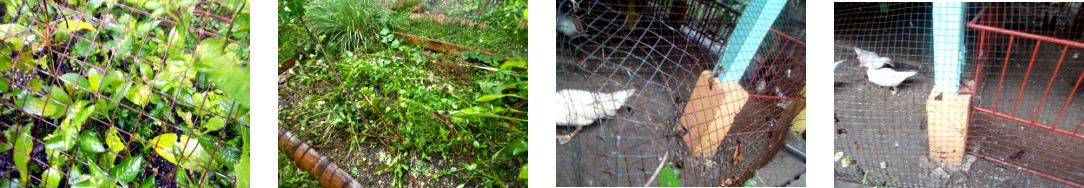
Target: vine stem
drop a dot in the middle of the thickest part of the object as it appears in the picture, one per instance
(453, 132)
(229, 31)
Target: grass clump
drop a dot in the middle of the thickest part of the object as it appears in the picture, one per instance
(347, 25)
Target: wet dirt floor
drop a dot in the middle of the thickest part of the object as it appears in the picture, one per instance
(875, 126)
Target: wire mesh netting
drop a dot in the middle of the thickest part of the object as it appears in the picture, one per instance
(638, 63)
(104, 94)
(1019, 72)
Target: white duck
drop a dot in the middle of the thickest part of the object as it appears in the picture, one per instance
(581, 108)
(568, 25)
(887, 77)
(870, 58)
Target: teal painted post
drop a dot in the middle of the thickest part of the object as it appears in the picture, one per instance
(758, 16)
(948, 45)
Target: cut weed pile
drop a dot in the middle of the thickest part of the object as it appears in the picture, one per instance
(394, 114)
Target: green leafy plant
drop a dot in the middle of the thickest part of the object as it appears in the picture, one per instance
(417, 107)
(349, 25)
(121, 86)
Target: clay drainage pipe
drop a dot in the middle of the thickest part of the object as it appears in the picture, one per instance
(305, 157)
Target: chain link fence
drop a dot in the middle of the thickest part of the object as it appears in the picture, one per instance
(655, 52)
(1018, 77)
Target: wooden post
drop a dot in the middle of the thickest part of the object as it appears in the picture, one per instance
(946, 109)
(710, 112)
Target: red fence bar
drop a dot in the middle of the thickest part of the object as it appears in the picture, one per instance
(1074, 184)
(1032, 134)
(1003, 67)
(1026, 75)
(1050, 83)
(1025, 121)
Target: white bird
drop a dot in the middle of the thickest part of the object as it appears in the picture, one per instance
(581, 108)
(868, 58)
(887, 77)
(567, 25)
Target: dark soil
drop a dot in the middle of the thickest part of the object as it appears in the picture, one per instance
(626, 149)
(876, 126)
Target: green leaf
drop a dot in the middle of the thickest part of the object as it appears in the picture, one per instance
(483, 112)
(128, 169)
(88, 141)
(95, 79)
(38, 106)
(523, 172)
(750, 183)
(59, 97)
(51, 177)
(147, 25)
(4, 84)
(514, 148)
(846, 162)
(113, 141)
(149, 182)
(381, 168)
(224, 69)
(69, 27)
(70, 127)
(73, 79)
(176, 37)
(241, 167)
(24, 144)
(138, 94)
(222, 153)
(214, 124)
(508, 65)
(96, 177)
(485, 98)
(82, 49)
(169, 147)
(64, 141)
(669, 177)
(7, 144)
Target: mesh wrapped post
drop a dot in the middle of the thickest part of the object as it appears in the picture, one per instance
(661, 49)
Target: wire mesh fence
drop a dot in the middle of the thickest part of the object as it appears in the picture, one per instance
(1017, 74)
(108, 94)
(642, 65)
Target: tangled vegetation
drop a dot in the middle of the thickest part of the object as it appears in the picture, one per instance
(459, 117)
(133, 93)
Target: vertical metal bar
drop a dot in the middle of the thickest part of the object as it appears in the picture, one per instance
(1027, 74)
(1050, 83)
(981, 61)
(1004, 66)
(756, 74)
(1071, 94)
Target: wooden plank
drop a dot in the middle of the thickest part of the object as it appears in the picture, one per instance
(946, 114)
(442, 46)
(710, 112)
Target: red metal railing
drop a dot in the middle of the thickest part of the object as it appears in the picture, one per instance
(1034, 144)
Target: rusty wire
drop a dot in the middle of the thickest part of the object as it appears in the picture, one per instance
(221, 16)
